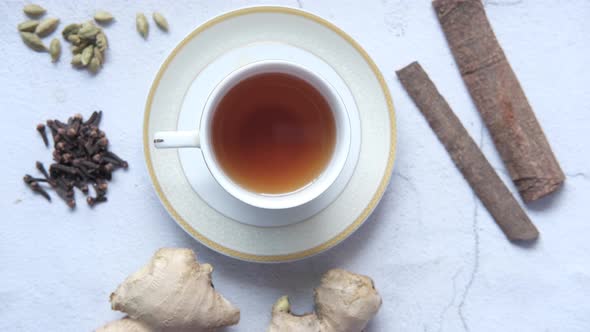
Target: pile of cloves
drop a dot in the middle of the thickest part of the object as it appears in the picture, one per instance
(81, 158)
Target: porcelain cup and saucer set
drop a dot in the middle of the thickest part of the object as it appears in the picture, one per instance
(177, 135)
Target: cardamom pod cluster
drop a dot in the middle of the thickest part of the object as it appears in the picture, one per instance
(89, 44)
(32, 31)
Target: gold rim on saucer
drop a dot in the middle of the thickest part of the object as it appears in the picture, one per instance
(291, 256)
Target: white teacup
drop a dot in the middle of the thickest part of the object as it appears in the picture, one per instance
(201, 137)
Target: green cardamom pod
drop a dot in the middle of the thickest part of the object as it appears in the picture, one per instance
(87, 54)
(80, 47)
(160, 21)
(77, 61)
(33, 10)
(55, 49)
(94, 65)
(88, 31)
(28, 26)
(70, 29)
(46, 26)
(98, 55)
(74, 39)
(102, 16)
(33, 41)
(101, 42)
(142, 25)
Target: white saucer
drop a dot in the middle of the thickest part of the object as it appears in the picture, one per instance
(210, 215)
(192, 160)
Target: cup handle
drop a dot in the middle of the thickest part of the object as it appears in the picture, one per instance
(177, 139)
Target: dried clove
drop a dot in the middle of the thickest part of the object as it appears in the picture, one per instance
(29, 179)
(53, 127)
(34, 185)
(97, 157)
(100, 189)
(102, 186)
(39, 165)
(115, 160)
(57, 169)
(94, 119)
(108, 168)
(92, 201)
(66, 196)
(43, 133)
(82, 186)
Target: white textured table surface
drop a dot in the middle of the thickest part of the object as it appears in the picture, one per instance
(437, 258)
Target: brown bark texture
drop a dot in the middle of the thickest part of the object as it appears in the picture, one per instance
(499, 98)
(476, 169)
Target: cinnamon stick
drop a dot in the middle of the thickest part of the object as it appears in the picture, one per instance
(467, 156)
(499, 98)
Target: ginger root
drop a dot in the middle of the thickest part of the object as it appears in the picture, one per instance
(344, 302)
(125, 325)
(173, 292)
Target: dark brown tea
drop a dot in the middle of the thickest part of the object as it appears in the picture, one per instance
(273, 133)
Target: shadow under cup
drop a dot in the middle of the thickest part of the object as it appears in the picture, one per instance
(275, 135)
